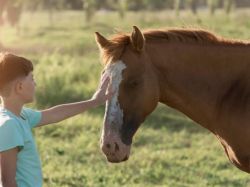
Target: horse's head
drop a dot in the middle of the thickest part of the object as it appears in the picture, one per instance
(135, 84)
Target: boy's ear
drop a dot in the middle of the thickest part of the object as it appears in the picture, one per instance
(17, 86)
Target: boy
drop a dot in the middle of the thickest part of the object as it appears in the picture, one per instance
(19, 161)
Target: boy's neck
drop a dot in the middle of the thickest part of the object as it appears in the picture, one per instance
(12, 105)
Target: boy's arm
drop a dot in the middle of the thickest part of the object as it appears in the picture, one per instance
(8, 161)
(64, 111)
(61, 112)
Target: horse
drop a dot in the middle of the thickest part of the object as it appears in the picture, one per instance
(202, 75)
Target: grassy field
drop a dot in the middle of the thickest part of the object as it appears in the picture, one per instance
(168, 150)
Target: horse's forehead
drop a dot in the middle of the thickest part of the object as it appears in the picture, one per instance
(114, 69)
(114, 112)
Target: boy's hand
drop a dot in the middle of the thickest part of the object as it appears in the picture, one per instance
(100, 95)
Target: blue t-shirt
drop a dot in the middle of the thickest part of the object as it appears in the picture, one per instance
(15, 132)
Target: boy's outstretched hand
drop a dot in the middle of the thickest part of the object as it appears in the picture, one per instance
(104, 91)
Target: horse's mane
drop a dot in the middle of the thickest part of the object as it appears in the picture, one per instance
(199, 36)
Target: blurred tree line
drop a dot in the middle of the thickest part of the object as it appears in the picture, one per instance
(12, 9)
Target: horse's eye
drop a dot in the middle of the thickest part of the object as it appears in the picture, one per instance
(133, 84)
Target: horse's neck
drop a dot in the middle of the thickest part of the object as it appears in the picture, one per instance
(193, 77)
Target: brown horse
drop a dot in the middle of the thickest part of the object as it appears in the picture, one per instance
(198, 73)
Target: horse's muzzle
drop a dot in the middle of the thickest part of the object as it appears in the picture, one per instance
(115, 151)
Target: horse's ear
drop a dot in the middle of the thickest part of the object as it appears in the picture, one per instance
(101, 41)
(137, 39)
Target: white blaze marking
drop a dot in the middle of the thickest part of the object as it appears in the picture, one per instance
(114, 113)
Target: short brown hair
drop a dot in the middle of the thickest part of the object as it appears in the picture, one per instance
(13, 67)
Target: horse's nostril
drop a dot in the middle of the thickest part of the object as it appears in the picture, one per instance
(108, 145)
(116, 147)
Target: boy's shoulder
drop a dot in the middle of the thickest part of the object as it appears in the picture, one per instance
(27, 116)
(7, 122)
(6, 119)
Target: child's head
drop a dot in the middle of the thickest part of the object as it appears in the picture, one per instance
(16, 78)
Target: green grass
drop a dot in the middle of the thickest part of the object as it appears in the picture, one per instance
(168, 150)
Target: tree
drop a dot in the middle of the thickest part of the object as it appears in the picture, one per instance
(213, 4)
(136, 4)
(89, 8)
(177, 7)
(193, 5)
(3, 4)
(14, 10)
(228, 5)
(122, 7)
